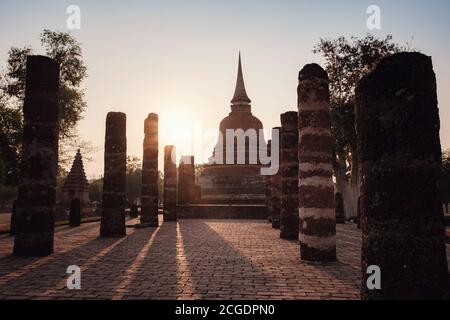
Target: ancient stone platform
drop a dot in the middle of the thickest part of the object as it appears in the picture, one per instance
(191, 259)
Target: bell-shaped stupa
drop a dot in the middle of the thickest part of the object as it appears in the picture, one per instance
(234, 177)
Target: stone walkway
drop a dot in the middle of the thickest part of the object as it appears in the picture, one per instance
(191, 259)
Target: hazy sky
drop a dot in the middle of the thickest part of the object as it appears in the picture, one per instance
(179, 58)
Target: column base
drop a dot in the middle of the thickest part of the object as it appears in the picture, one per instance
(289, 236)
(315, 255)
(33, 245)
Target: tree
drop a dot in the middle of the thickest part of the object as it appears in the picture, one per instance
(134, 179)
(444, 183)
(346, 62)
(10, 140)
(63, 48)
(96, 190)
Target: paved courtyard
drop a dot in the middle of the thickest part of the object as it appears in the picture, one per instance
(191, 259)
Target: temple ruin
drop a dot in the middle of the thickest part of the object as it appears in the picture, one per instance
(76, 185)
(150, 192)
(35, 209)
(400, 153)
(316, 188)
(230, 179)
(113, 205)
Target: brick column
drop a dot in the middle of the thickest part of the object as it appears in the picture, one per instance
(35, 211)
(276, 194)
(316, 189)
(150, 193)
(339, 209)
(12, 229)
(186, 180)
(75, 213)
(170, 184)
(113, 205)
(134, 211)
(269, 186)
(400, 153)
(289, 218)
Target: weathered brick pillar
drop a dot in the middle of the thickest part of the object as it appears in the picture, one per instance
(170, 184)
(134, 211)
(35, 211)
(358, 216)
(316, 190)
(12, 229)
(269, 186)
(340, 213)
(150, 193)
(400, 153)
(113, 205)
(276, 193)
(186, 180)
(289, 219)
(75, 213)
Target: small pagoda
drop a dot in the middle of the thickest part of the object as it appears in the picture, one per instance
(76, 185)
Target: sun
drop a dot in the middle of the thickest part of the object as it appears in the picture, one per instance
(176, 127)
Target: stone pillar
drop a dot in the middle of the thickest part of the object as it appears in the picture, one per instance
(113, 205)
(75, 213)
(358, 217)
(276, 194)
(35, 212)
(400, 153)
(134, 211)
(339, 209)
(269, 186)
(186, 180)
(316, 189)
(12, 229)
(289, 219)
(150, 193)
(170, 184)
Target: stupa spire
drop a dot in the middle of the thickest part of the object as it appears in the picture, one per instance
(76, 180)
(240, 95)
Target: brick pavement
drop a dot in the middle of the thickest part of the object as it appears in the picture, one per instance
(191, 259)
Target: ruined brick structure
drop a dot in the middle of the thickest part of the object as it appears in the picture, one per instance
(113, 204)
(400, 153)
(150, 193)
(35, 209)
(289, 218)
(170, 184)
(225, 180)
(269, 187)
(186, 181)
(134, 211)
(275, 194)
(12, 228)
(339, 208)
(76, 185)
(75, 213)
(316, 189)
